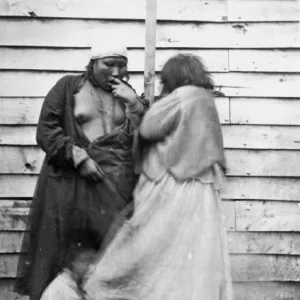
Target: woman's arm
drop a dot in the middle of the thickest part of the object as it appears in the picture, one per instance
(135, 106)
(135, 111)
(60, 148)
(161, 119)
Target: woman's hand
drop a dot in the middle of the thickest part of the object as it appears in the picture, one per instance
(90, 170)
(123, 91)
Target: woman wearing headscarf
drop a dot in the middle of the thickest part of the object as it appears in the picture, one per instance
(174, 246)
(86, 129)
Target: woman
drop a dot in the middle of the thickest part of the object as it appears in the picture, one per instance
(174, 246)
(86, 130)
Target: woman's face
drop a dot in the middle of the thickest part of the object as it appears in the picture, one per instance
(107, 68)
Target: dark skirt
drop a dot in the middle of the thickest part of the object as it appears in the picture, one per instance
(70, 214)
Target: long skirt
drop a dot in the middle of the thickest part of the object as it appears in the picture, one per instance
(173, 248)
(70, 214)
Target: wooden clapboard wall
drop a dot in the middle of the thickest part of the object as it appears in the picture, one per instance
(252, 48)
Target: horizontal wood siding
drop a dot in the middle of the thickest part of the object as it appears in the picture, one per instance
(251, 48)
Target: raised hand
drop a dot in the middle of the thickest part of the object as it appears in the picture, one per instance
(123, 91)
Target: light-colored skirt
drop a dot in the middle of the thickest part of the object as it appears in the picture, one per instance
(173, 248)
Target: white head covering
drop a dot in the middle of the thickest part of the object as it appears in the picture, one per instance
(111, 49)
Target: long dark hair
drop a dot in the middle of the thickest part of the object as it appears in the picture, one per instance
(184, 69)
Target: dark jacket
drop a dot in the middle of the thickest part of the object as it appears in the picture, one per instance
(70, 213)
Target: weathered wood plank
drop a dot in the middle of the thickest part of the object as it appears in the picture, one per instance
(235, 136)
(19, 111)
(266, 290)
(264, 242)
(14, 213)
(13, 219)
(244, 267)
(265, 268)
(267, 216)
(8, 265)
(17, 185)
(11, 242)
(238, 84)
(17, 135)
(30, 84)
(238, 188)
(263, 163)
(7, 290)
(262, 188)
(243, 290)
(263, 10)
(214, 10)
(264, 60)
(232, 84)
(77, 59)
(261, 137)
(265, 111)
(240, 162)
(22, 160)
(169, 34)
(239, 242)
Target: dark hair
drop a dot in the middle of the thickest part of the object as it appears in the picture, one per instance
(184, 69)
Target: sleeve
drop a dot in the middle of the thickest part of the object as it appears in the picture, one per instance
(50, 134)
(161, 119)
(134, 112)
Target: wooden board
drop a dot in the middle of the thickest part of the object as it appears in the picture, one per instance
(19, 111)
(21, 160)
(235, 188)
(263, 10)
(261, 137)
(265, 268)
(244, 267)
(262, 188)
(265, 111)
(264, 242)
(11, 242)
(77, 59)
(262, 163)
(36, 32)
(7, 290)
(243, 290)
(267, 216)
(213, 10)
(264, 60)
(266, 290)
(233, 84)
(13, 215)
(235, 136)
(238, 84)
(239, 242)
(17, 135)
(17, 185)
(28, 160)
(8, 265)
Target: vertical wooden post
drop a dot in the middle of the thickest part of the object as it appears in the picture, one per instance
(149, 73)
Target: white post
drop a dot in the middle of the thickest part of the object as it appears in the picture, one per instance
(149, 73)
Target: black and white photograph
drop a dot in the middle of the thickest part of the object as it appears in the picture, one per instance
(149, 149)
